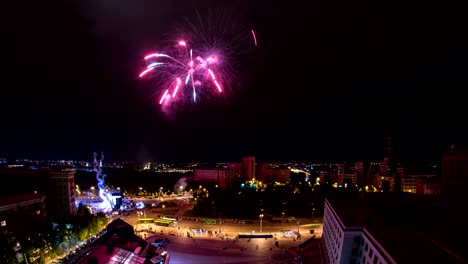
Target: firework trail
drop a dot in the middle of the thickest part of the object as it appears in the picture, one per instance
(206, 60)
(254, 37)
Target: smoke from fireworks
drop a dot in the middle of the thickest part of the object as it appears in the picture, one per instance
(106, 204)
(180, 185)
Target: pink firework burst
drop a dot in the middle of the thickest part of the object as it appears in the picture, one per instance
(207, 56)
(183, 68)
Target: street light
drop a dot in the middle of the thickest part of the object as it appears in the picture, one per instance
(261, 218)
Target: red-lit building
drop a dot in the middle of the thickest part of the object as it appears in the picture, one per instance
(221, 176)
(455, 173)
(267, 174)
(235, 173)
(248, 168)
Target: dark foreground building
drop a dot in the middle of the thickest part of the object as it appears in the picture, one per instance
(119, 245)
(399, 228)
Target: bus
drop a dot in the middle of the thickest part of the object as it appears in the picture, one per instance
(209, 222)
(168, 218)
(145, 220)
(163, 222)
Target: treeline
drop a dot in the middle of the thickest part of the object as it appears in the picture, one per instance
(38, 241)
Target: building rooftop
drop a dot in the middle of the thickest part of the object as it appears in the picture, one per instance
(15, 199)
(114, 256)
(352, 213)
(412, 228)
(119, 245)
(410, 246)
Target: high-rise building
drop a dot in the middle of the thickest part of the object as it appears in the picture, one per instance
(386, 166)
(61, 193)
(248, 168)
(262, 169)
(399, 176)
(383, 167)
(363, 175)
(388, 151)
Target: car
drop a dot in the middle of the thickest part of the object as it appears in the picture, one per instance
(160, 242)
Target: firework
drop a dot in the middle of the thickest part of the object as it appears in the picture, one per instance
(203, 57)
(185, 64)
(254, 37)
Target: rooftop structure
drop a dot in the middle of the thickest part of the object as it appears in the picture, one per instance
(390, 228)
(119, 245)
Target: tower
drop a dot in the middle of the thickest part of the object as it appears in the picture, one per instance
(61, 193)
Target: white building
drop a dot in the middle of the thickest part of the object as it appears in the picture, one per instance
(363, 231)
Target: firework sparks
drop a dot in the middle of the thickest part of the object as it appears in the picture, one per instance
(210, 54)
(183, 63)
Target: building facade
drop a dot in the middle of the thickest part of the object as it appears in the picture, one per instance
(61, 193)
(248, 168)
(223, 177)
(455, 173)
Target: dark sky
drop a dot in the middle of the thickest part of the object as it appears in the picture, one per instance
(328, 80)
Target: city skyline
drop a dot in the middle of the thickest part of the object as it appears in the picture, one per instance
(329, 84)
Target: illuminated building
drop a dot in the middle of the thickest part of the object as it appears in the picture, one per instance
(421, 184)
(409, 184)
(248, 168)
(223, 177)
(383, 167)
(362, 174)
(385, 183)
(267, 174)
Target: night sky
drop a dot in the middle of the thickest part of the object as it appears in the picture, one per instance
(328, 81)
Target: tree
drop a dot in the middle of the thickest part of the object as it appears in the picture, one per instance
(7, 254)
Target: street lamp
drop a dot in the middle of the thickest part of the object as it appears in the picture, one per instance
(261, 218)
